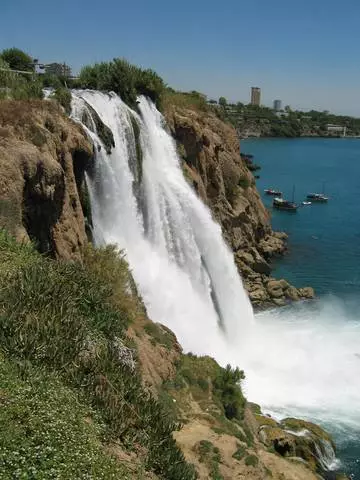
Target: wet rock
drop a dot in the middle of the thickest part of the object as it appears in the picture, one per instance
(307, 292)
(292, 294)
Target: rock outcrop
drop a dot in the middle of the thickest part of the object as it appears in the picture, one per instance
(43, 156)
(212, 163)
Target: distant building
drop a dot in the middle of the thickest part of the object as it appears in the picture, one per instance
(277, 105)
(337, 129)
(255, 95)
(58, 69)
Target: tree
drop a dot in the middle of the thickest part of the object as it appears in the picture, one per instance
(222, 102)
(17, 59)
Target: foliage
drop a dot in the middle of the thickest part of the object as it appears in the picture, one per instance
(215, 388)
(192, 100)
(251, 460)
(51, 80)
(227, 386)
(17, 86)
(210, 456)
(159, 335)
(222, 102)
(70, 320)
(63, 96)
(45, 431)
(17, 59)
(239, 453)
(123, 78)
(244, 182)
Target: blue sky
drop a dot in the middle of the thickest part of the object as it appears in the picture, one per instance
(306, 53)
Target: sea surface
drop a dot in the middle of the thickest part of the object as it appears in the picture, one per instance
(324, 239)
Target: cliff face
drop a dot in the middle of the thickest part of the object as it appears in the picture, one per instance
(43, 155)
(212, 163)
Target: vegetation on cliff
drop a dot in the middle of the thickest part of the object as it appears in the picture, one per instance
(123, 78)
(67, 322)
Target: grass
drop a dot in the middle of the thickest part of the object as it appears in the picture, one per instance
(45, 430)
(159, 335)
(189, 100)
(70, 320)
(240, 453)
(210, 456)
(17, 86)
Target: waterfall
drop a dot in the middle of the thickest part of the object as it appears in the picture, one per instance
(181, 264)
(326, 455)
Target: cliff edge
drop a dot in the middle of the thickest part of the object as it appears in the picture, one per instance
(43, 156)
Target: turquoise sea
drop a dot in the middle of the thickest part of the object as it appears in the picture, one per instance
(324, 239)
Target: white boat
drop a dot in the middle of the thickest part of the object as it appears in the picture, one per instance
(305, 203)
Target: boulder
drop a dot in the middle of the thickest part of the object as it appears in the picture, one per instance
(275, 289)
(258, 295)
(292, 293)
(307, 292)
(279, 302)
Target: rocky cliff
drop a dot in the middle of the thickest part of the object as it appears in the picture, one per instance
(43, 155)
(212, 163)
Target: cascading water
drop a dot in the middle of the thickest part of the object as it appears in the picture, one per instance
(185, 272)
(303, 360)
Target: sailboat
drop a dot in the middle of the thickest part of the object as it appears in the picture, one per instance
(318, 197)
(282, 204)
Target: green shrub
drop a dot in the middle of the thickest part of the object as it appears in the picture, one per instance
(123, 78)
(210, 456)
(227, 386)
(244, 182)
(63, 96)
(17, 59)
(251, 460)
(240, 453)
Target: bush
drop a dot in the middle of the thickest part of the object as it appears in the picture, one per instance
(17, 59)
(63, 96)
(123, 78)
(227, 386)
(251, 460)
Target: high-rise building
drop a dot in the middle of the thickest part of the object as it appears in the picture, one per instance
(255, 95)
(277, 105)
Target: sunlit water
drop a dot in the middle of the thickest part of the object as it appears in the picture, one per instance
(324, 251)
(301, 360)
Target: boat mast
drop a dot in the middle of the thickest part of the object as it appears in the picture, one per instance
(293, 194)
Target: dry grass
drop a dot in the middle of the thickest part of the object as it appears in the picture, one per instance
(189, 100)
